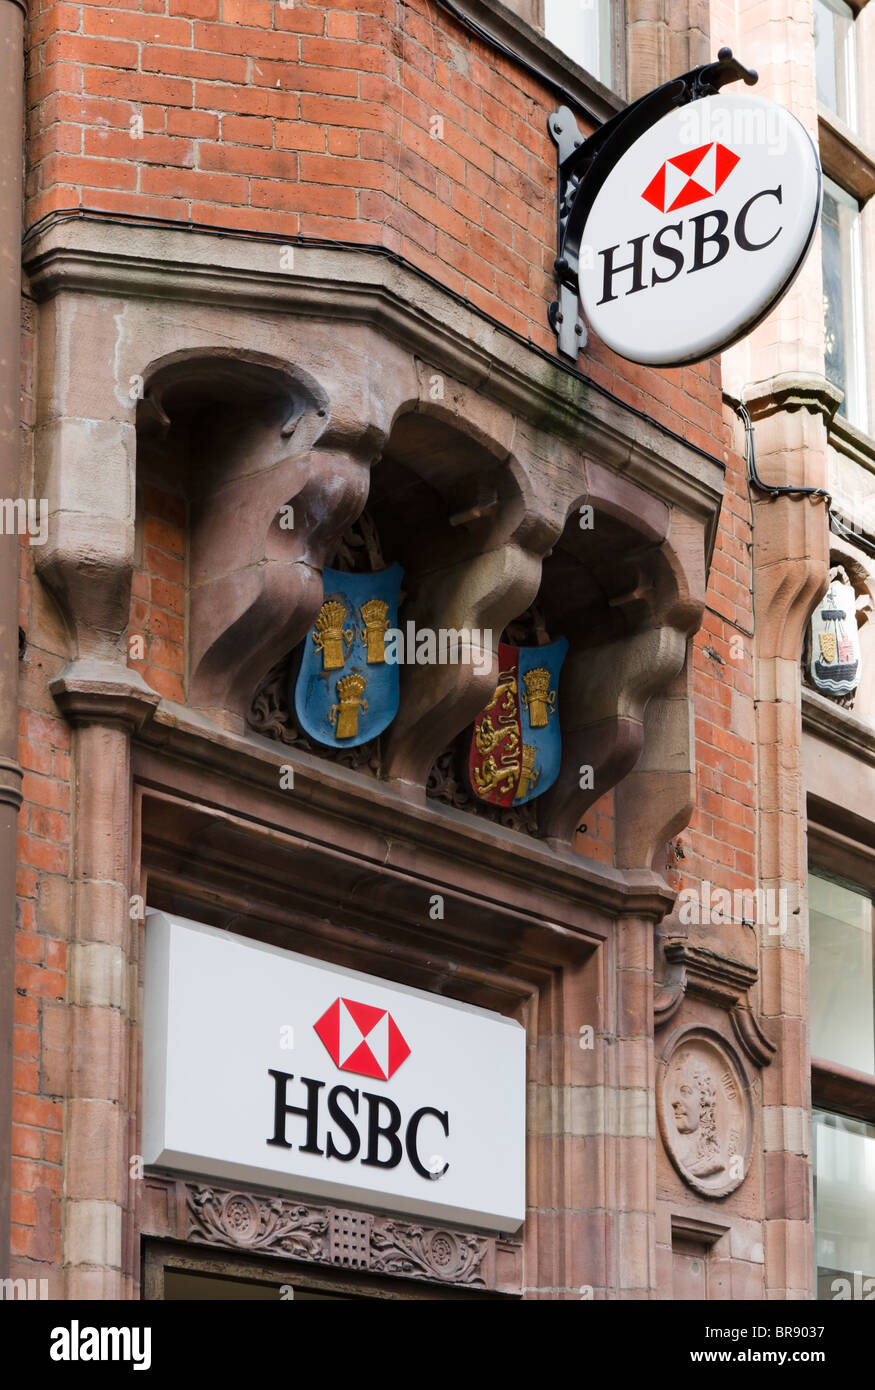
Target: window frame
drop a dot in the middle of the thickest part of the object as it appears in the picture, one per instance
(519, 26)
(614, 80)
(838, 1073)
(851, 116)
(857, 382)
(818, 1267)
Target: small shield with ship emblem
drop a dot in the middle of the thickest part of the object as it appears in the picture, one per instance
(516, 748)
(346, 691)
(835, 641)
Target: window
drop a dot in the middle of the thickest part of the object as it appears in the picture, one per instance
(844, 1205)
(835, 59)
(582, 30)
(842, 300)
(842, 997)
(842, 1019)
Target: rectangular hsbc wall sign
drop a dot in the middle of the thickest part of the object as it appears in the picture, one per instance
(263, 1066)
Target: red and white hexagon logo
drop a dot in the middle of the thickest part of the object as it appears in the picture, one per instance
(362, 1038)
(675, 187)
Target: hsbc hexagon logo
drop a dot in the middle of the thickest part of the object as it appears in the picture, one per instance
(362, 1038)
(690, 177)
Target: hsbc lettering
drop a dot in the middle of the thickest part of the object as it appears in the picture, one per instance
(688, 245)
(371, 1134)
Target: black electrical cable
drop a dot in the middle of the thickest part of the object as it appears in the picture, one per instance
(836, 525)
(771, 489)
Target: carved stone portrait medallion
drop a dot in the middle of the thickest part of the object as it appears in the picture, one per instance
(705, 1112)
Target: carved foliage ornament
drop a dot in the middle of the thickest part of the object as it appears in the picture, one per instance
(450, 1255)
(254, 1223)
(705, 1111)
(328, 1235)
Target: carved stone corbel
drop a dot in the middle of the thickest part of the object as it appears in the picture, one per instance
(484, 594)
(657, 799)
(700, 973)
(482, 575)
(605, 694)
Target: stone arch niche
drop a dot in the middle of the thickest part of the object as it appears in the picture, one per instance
(624, 583)
(628, 588)
(270, 480)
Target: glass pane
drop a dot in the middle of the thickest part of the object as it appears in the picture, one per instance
(824, 48)
(582, 29)
(844, 1206)
(832, 293)
(842, 300)
(834, 52)
(840, 975)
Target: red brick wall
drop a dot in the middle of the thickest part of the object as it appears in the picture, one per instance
(595, 835)
(157, 622)
(376, 121)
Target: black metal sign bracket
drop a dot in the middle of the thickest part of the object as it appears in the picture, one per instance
(585, 162)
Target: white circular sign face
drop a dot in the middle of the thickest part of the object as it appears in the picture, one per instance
(699, 229)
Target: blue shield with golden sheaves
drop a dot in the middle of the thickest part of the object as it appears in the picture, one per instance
(347, 692)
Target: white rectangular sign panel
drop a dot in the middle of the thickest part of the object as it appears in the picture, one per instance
(264, 1066)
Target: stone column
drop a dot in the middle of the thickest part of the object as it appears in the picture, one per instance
(102, 983)
(791, 560)
(630, 1070)
(663, 39)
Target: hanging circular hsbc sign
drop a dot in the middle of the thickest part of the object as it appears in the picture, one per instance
(699, 229)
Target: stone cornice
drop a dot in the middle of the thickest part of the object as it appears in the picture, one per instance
(854, 443)
(793, 391)
(711, 975)
(834, 724)
(844, 156)
(552, 874)
(698, 972)
(367, 285)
